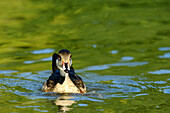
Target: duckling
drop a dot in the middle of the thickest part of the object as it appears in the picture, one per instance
(63, 78)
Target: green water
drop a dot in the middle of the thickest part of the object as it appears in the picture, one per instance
(120, 48)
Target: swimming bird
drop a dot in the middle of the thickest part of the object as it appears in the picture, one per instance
(63, 78)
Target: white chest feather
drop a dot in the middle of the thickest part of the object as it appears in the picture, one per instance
(67, 86)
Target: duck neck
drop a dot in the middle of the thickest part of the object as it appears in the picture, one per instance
(63, 77)
(63, 74)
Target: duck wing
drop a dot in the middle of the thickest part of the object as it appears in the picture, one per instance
(52, 81)
(77, 81)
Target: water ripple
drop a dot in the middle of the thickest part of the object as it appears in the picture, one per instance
(167, 91)
(162, 71)
(164, 48)
(99, 87)
(7, 71)
(166, 55)
(114, 51)
(43, 51)
(127, 58)
(107, 66)
(28, 62)
(44, 59)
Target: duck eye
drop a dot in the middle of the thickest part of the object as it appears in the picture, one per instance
(59, 57)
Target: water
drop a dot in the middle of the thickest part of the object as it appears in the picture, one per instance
(119, 48)
(23, 89)
(43, 51)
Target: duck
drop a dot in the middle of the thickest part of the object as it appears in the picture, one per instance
(63, 78)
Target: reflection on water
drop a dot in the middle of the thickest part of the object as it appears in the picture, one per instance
(100, 87)
(127, 58)
(29, 62)
(166, 55)
(44, 59)
(63, 102)
(164, 48)
(114, 51)
(82, 104)
(162, 71)
(94, 45)
(107, 66)
(116, 84)
(120, 48)
(7, 71)
(43, 51)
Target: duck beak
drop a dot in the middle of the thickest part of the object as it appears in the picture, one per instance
(63, 67)
(66, 67)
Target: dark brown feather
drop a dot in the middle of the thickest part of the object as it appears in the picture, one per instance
(76, 80)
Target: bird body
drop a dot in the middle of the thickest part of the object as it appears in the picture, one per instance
(63, 78)
(67, 87)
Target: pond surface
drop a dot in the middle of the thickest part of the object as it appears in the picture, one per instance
(120, 49)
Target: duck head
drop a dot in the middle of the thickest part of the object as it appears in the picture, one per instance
(64, 62)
